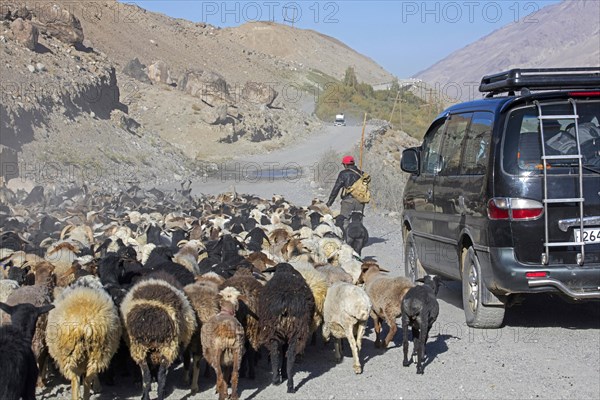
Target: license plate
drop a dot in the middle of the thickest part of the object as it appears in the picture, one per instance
(590, 235)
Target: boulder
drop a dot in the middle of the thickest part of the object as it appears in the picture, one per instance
(254, 127)
(159, 73)
(136, 70)
(214, 115)
(125, 122)
(259, 93)
(25, 33)
(206, 85)
(21, 12)
(58, 22)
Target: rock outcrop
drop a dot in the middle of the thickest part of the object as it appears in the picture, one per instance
(259, 93)
(137, 70)
(209, 86)
(25, 33)
(159, 73)
(53, 20)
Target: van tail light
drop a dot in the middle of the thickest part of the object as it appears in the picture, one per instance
(506, 208)
(584, 94)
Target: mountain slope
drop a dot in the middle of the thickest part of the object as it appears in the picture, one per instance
(310, 48)
(566, 34)
(258, 51)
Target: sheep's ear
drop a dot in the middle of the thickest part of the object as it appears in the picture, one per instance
(44, 309)
(270, 269)
(6, 308)
(422, 280)
(383, 270)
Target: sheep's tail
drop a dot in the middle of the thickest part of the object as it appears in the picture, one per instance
(230, 294)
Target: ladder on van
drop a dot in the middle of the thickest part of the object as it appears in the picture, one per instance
(546, 200)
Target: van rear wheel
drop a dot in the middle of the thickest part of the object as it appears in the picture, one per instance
(477, 314)
(413, 269)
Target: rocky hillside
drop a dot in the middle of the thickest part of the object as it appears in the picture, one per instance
(105, 90)
(308, 49)
(566, 34)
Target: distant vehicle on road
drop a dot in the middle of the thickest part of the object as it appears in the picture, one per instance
(340, 120)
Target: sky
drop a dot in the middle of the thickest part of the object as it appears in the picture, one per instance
(403, 36)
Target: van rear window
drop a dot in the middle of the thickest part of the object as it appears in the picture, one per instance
(523, 137)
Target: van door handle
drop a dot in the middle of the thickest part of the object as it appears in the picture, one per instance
(461, 205)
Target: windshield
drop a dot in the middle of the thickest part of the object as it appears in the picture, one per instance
(522, 143)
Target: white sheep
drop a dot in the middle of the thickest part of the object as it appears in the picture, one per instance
(345, 315)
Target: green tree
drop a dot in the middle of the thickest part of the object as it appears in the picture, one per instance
(350, 78)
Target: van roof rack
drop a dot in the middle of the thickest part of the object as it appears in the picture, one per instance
(529, 79)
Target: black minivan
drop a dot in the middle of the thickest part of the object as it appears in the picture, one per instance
(504, 192)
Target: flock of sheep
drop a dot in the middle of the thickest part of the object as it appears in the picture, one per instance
(96, 282)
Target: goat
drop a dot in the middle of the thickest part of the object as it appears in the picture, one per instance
(285, 309)
(17, 361)
(420, 309)
(222, 340)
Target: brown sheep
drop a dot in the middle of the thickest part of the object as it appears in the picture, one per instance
(386, 294)
(247, 314)
(204, 299)
(223, 343)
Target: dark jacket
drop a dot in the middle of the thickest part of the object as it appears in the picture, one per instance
(345, 179)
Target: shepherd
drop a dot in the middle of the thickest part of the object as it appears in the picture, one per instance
(355, 191)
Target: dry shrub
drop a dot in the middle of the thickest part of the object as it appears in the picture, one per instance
(387, 183)
(326, 170)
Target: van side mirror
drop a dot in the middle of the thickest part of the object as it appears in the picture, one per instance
(410, 160)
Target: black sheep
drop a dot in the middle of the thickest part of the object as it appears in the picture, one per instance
(356, 234)
(179, 272)
(159, 255)
(257, 236)
(315, 219)
(285, 310)
(12, 241)
(420, 309)
(17, 361)
(17, 274)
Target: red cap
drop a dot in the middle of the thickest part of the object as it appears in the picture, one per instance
(348, 160)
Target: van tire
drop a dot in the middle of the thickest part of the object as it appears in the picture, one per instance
(413, 269)
(477, 314)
